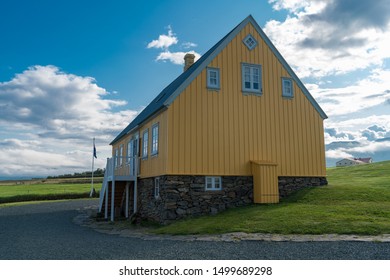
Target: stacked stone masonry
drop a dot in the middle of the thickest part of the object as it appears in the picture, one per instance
(185, 196)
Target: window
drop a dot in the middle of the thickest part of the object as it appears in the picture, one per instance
(287, 88)
(116, 160)
(213, 78)
(250, 42)
(213, 183)
(145, 141)
(154, 150)
(120, 155)
(156, 187)
(129, 151)
(251, 78)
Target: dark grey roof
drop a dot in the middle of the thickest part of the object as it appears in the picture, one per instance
(166, 97)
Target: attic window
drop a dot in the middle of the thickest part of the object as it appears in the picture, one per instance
(213, 78)
(287, 88)
(251, 78)
(250, 42)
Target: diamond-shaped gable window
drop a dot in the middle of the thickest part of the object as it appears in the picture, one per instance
(250, 42)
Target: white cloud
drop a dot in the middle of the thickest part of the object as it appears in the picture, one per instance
(338, 154)
(188, 45)
(366, 93)
(164, 41)
(322, 38)
(176, 57)
(293, 6)
(51, 115)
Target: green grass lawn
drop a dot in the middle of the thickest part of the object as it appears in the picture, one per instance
(356, 201)
(15, 193)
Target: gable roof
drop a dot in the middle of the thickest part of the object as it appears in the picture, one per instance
(169, 94)
(350, 160)
(366, 160)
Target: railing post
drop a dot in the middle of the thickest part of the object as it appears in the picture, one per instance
(127, 200)
(106, 208)
(135, 189)
(113, 190)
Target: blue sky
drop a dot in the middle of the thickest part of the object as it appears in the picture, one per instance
(73, 70)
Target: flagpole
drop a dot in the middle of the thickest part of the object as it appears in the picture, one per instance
(93, 162)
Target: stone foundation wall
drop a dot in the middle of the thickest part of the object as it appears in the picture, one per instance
(184, 196)
(288, 185)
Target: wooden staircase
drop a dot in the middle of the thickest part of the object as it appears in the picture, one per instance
(118, 200)
(121, 176)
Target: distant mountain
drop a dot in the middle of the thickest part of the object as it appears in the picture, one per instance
(342, 144)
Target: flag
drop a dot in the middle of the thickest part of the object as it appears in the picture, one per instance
(94, 150)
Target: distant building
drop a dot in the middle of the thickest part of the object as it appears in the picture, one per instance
(365, 160)
(354, 161)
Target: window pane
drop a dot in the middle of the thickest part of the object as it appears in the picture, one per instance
(287, 88)
(255, 86)
(145, 144)
(154, 139)
(247, 73)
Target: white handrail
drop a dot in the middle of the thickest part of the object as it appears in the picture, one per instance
(118, 166)
(104, 184)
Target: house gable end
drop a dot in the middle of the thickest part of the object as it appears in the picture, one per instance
(174, 89)
(213, 52)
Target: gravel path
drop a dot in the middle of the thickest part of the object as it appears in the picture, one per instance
(49, 231)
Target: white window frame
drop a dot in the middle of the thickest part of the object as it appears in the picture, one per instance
(212, 183)
(251, 68)
(116, 162)
(145, 143)
(120, 155)
(157, 187)
(155, 136)
(128, 151)
(211, 84)
(285, 92)
(250, 42)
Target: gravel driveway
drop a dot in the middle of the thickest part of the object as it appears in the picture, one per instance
(47, 231)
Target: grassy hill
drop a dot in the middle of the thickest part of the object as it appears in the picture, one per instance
(356, 201)
(46, 189)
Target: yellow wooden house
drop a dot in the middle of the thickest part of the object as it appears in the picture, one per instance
(236, 127)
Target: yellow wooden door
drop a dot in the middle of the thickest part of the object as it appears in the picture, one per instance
(265, 182)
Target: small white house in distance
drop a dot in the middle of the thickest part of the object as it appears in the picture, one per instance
(351, 162)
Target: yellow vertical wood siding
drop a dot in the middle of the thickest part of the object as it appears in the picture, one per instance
(218, 132)
(153, 165)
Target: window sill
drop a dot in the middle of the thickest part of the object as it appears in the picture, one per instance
(154, 155)
(288, 97)
(213, 88)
